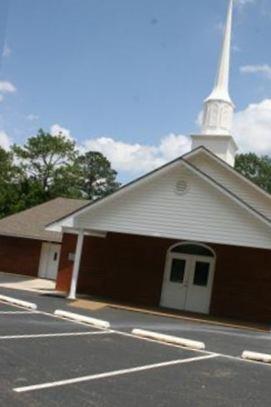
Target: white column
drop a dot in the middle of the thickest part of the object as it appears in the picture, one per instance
(76, 265)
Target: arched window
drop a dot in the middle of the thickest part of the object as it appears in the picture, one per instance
(193, 249)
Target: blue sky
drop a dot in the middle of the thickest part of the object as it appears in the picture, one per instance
(128, 77)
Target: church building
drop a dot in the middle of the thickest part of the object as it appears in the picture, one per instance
(193, 235)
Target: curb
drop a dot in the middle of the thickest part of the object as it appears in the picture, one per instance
(256, 357)
(169, 339)
(82, 318)
(21, 303)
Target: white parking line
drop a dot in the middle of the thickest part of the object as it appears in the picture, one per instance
(131, 335)
(16, 312)
(57, 335)
(48, 314)
(110, 374)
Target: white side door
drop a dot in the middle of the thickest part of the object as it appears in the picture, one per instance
(49, 260)
(176, 280)
(188, 282)
(199, 291)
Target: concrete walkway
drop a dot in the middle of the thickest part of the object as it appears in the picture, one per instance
(96, 304)
(26, 283)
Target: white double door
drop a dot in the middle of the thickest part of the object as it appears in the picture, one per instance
(188, 282)
(49, 260)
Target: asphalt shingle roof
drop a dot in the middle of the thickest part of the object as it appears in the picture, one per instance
(31, 222)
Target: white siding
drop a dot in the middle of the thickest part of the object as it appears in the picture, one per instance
(234, 183)
(154, 209)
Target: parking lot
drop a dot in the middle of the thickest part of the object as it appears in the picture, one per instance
(47, 360)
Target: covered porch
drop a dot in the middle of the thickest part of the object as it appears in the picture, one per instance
(154, 272)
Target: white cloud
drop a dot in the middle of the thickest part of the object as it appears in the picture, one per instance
(173, 146)
(56, 130)
(5, 141)
(32, 117)
(244, 2)
(6, 51)
(132, 158)
(252, 128)
(139, 158)
(7, 87)
(257, 69)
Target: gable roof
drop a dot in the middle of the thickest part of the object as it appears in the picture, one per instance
(31, 223)
(235, 197)
(125, 187)
(162, 208)
(185, 160)
(238, 174)
(234, 182)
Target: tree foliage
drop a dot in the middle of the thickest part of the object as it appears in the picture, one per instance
(44, 158)
(256, 168)
(97, 178)
(9, 182)
(48, 166)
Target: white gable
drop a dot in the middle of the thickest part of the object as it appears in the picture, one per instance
(231, 180)
(154, 208)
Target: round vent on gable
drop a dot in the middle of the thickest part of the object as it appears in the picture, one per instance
(181, 187)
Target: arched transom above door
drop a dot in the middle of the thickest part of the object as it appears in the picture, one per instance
(194, 249)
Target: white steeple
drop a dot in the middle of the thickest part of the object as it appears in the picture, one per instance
(218, 107)
(221, 88)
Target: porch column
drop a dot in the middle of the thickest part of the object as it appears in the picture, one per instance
(76, 265)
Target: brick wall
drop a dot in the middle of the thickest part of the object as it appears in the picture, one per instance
(65, 264)
(131, 268)
(19, 256)
(124, 267)
(242, 283)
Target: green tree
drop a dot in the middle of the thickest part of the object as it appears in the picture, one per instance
(50, 166)
(97, 178)
(9, 181)
(47, 162)
(256, 168)
(6, 166)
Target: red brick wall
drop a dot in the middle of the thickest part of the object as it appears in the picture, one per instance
(242, 283)
(65, 265)
(124, 267)
(131, 268)
(19, 256)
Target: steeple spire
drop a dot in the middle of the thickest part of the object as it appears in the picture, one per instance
(218, 107)
(221, 89)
